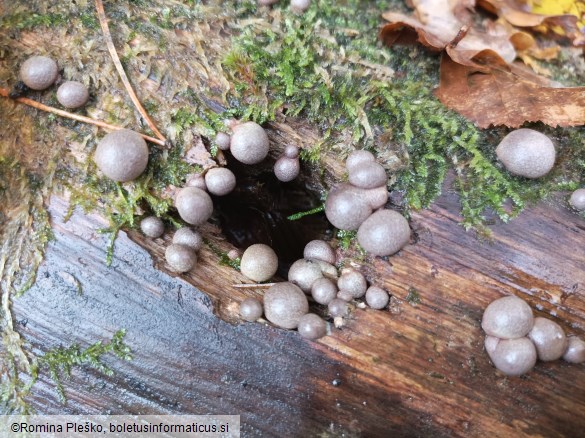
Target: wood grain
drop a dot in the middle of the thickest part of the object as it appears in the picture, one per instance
(412, 370)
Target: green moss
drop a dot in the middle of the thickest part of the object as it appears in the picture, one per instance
(60, 361)
(27, 20)
(328, 67)
(297, 216)
(413, 297)
(224, 259)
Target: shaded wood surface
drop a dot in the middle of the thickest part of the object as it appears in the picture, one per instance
(412, 370)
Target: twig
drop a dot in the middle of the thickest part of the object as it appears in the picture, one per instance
(112, 49)
(253, 286)
(5, 93)
(460, 35)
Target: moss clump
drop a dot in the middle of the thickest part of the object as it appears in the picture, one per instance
(60, 361)
(328, 67)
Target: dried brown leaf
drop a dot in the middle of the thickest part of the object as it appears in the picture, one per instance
(507, 95)
(438, 23)
(512, 13)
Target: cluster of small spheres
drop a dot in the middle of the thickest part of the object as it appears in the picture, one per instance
(358, 205)
(41, 72)
(516, 339)
(286, 304)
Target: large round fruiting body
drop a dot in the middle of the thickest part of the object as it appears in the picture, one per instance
(323, 290)
(220, 181)
(188, 237)
(368, 175)
(72, 94)
(384, 233)
(513, 357)
(548, 338)
(358, 157)
(312, 326)
(353, 283)
(39, 72)
(152, 226)
(194, 205)
(577, 199)
(251, 309)
(338, 307)
(376, 197)
(575, 352)
(287, 169)
(285, 304)
(249, 144)
(122, 155)
(507, 318)
(259, 262)
(304, 273)
(527, 153)
(223, 140)
(180, 258)
(320, 250)
(377, 298)
(346, 209)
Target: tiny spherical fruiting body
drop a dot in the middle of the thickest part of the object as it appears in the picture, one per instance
(368, 175)
(300, 5)
(72, 94)
(575, 352)
(377, 298)
(194, 205)
(527, 153)
(152, 226)
(287, 169)
(507, 318)
(344, 295)
(220, 181)
(39, 72)
(259, 262)
(291, 151)
(223, 140)
(323, 290)
(358, 157)
(249, 143)
(577, 199)
(180, 258)
(188, 237)
(384, 233)
(490, 343)
(304, 273)
(548, 338)
(327, 269)
(312, 326)
(251, 309)
(198, 181)
(346, 209)
(122, 155)
(513, 357)
(285, 304)
(353, 283)
(338, 307)
(319, 250)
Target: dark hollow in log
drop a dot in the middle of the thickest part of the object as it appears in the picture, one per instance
(412, 370)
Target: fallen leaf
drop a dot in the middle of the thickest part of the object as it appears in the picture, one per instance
(507, 95)
(509, 10)
(439, 23)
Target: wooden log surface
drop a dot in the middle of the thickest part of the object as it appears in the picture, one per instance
(411, 370)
